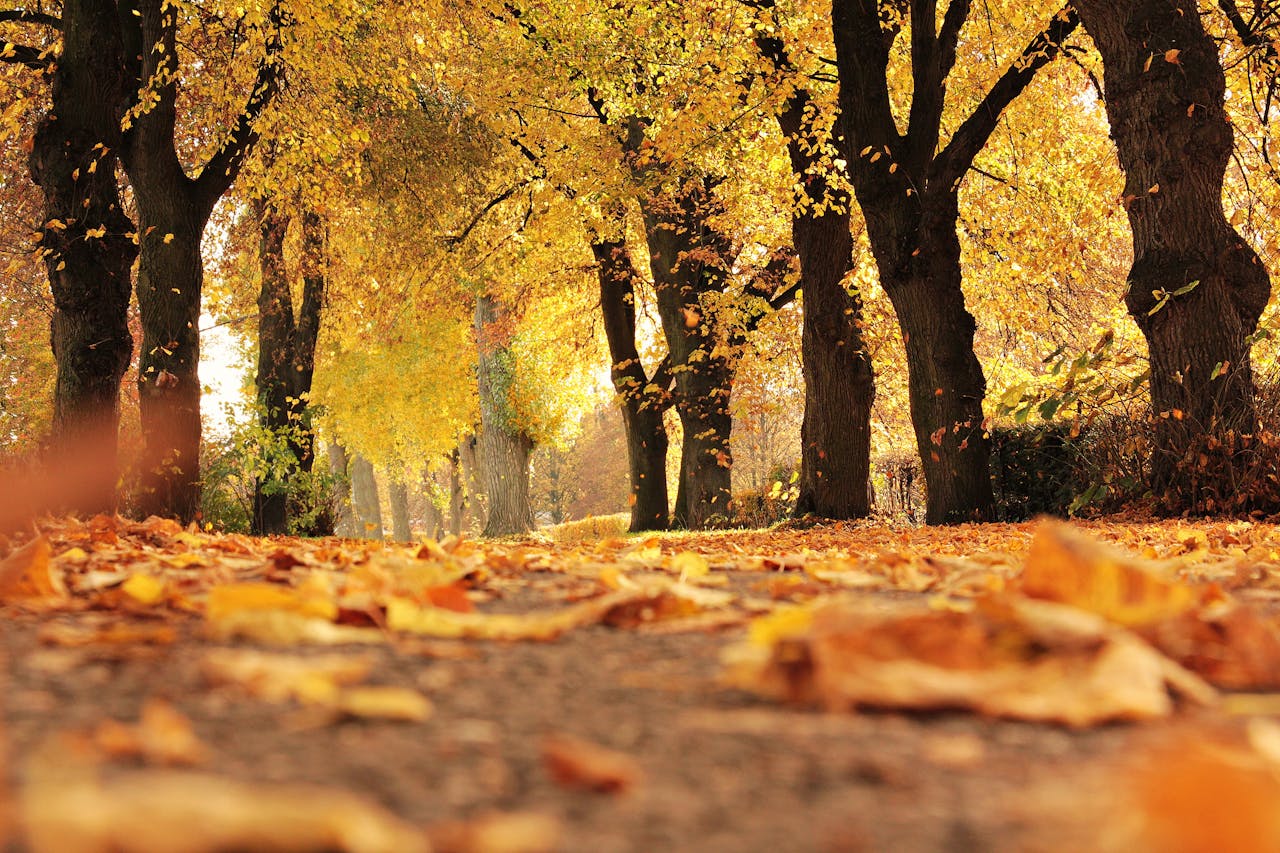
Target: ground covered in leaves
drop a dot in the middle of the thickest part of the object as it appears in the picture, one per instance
(1105, 686)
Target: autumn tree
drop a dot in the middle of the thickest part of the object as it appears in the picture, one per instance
(835, 455)
(906, 182)
(86, 239)
(175, 200)
(1196, 288)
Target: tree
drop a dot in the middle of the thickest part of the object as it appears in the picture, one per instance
(835, 443)
(87, 241)
(907, 184)
(174, 205)
(286, 358)
(643, 397)
(1196, 288)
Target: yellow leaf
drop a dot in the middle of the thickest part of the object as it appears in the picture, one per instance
(691, 566)
(146, 589)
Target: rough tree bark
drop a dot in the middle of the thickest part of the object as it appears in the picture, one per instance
(835, 435)
(504, 448)
(286, 357)
(173, 209)
(1196, 288)
(643, 398)
(85, 238)
(907, 190)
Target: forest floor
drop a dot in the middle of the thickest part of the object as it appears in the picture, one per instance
(853, 687)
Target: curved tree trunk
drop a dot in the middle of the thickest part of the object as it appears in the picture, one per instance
(503, 449)
(275, 363)
(690, 258)
(286, 362)
(1196, 289)
(642, 398)
(86, 243)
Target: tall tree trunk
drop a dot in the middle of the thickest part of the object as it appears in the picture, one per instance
(839, 383)
(85, 240)
(364, 498)
(398, 493)
(1196, 289)
(689, 258)
(344, 523)
(457, 495)
(642, 398)
(504, 448)
(286, 361)
(173, 209)
(907, 185)
(275, 364)
(475, 503)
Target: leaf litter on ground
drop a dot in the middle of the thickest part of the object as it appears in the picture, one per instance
(1049, 622)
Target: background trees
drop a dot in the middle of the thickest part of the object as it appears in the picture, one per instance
(503, 192)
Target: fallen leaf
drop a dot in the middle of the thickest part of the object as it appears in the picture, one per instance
(66, 806)
(576, 763)
(511, 832)
(162, 735)
(28, 573)
(1016, 658)
(1067, 566)
(384, 703)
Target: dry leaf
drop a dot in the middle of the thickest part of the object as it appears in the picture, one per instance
(161, 736)
(1067, 566)
(384, 703)
(287, 628)
(514, 832)
(1013, 658)
(69, 808)
(28, 573)
(576, 763)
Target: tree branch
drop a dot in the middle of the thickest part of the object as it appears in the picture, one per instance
(23, 16)
(954, 160)
(225, 164)
(456, 239)
(19, 54)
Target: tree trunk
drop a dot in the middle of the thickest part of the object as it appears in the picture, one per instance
(344, 524)
(86, 243)
(503, 448)
(286, 362)
(1196, 289)
(475, 503)
(839, 383)
(401, 530)
(642, 398)
(275, 367)
(364, 493)
(457, 495)
(169, 281)
(173, 209)
(689, 258)
(945, 382)
(907, 185)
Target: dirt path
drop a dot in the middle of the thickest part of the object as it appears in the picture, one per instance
(705, 767)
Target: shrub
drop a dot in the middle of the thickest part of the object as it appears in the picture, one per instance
(1036, 470)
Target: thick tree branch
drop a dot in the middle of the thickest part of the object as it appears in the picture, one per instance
(954, 160)
(23, 16)
(18, 54)
(223, 167)
(862, 55)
